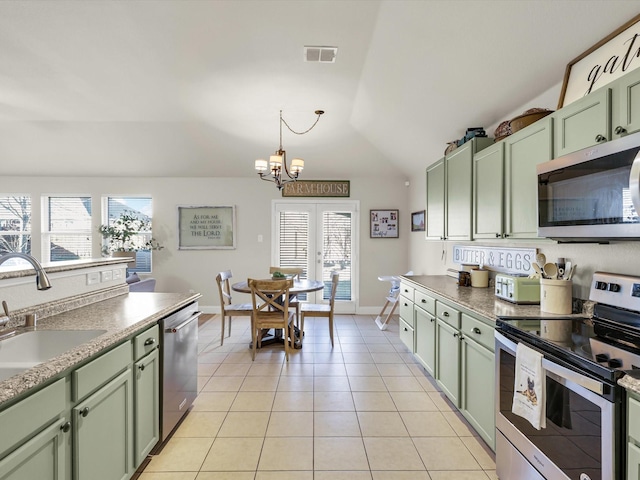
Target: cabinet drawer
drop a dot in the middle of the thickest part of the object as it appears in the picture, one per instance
(634, 419)
(96, 373)
(406, 334)
(448, 314)
(31, 414)
(145, 342)
(425, 302)
(406, 291)
(479, 331)
(406, 310)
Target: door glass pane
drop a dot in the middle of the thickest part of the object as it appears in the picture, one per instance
(294, 243)
(337, 248)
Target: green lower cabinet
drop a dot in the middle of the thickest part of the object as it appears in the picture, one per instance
(103, 432)
(478, 397)
(425, 339)
(44, 457)
(633, 462)
(448, 361)
(146, 405)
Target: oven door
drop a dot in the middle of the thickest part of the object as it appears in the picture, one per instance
(579, 442)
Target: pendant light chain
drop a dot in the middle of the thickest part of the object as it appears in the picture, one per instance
(317, 112)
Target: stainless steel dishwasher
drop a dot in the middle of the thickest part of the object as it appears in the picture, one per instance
(179, 364)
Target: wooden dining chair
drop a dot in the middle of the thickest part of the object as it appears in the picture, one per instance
(227, 308)
(270, 302)
(321, 309)
(294, 302)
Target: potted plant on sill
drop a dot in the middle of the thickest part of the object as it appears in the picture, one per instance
(126, 235)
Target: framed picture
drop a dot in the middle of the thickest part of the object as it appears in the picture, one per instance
(383, 223)
(607, 60)
(417, 221)
(206, 227)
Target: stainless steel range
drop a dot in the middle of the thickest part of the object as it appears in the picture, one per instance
(583, 358)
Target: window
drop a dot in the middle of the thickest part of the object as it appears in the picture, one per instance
(15, 225)
(140, 208)
(66, 230)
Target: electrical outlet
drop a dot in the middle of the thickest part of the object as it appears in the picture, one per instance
(117, 274)
(93, 278)
(106, 276)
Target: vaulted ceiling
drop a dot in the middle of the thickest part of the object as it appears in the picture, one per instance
(194, 87)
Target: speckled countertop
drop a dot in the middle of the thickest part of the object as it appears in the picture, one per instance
(120, 316)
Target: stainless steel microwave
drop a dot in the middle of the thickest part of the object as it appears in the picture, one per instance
(592, 195)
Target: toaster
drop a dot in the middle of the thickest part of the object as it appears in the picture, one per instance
(517, 289)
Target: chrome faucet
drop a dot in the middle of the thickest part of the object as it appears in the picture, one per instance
(42, 281)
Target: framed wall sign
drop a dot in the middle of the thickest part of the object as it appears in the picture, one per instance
(383, 223)
(417, 221)
(205, 227)
(607, 60)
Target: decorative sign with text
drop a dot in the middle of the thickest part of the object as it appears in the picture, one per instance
(316, 188)
(203, 227)
(504, 260)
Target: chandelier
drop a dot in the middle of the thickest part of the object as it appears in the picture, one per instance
(277, 167)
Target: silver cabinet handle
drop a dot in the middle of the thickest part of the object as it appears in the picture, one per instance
(620, 130)
(149, 341)
(600, 138)
(445, 314)
(65, 427)
(84, 412)
(476, 330)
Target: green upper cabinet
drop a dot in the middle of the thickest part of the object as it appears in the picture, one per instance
(523, 151)
(583, 123)
(488, 192)
(434, 229)
(626, 104)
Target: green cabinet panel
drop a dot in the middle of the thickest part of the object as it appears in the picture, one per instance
(103, 432)
(146, 405)
(435, 210)
(406, 310)
(448, 360)
(459, 168)
(44, 457)
(626, 118)
(488, 192)
(89, 377)
(523, 151)
(478, 397)
(583, 123)
(425, 339)
(406, 334)
(633, 462)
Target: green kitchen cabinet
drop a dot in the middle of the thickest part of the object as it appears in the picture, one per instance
(523, 151)
(103, 432)
(583, 123)
(435, 210)
(626, 104)
(488, 192)
(448, 360)
(146, 405)
(425, 339)
(477, 402)
(406, 329)
(633, 461)
(633, 432)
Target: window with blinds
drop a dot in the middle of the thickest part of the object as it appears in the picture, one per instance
(15, 225)
(294, 241)
(337, 254)
(66, 232)
(142, 208)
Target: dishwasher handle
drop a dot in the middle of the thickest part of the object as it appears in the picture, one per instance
(175, 329)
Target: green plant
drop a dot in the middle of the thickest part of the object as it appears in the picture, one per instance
(128, 233)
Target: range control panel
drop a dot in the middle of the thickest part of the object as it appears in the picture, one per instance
(617, 290)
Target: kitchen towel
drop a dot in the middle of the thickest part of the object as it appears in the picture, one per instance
(529, 389)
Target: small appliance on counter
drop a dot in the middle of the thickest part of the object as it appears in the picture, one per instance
(518, 289)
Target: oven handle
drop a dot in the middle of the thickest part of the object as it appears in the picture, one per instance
(555, 371)
(193, 316)
(634, 183)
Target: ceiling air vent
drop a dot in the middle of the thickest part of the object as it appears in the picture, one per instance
(320, 54)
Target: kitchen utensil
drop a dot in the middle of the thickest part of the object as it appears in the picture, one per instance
(561, 264)
(538, 270)
(541, 259)
(550, 270)
(5, 308)
(567, 269)
(570, 275)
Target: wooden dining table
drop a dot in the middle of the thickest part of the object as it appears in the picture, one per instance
(299, 287)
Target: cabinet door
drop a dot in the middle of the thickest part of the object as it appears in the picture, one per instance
(488, 192)
(459, 185)
(477, 396)
(435, 201)
(448, 361)
(633, 462)
(523, 151)
(44, 457)
(583, 123)
(425, 339)
(103, 432)
(146, 405)
(627, 119)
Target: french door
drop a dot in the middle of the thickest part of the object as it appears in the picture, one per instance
(319, 237)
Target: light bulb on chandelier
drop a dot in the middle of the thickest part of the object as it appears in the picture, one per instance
(272, 170)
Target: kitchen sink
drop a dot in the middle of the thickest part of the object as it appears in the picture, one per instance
(25, 350)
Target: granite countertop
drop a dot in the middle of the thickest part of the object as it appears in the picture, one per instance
(120, 316)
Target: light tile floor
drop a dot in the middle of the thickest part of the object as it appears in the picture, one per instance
(362, 410)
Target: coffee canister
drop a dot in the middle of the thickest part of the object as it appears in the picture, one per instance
(556, 296)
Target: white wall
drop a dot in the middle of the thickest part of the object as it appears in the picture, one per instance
(185, 270)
